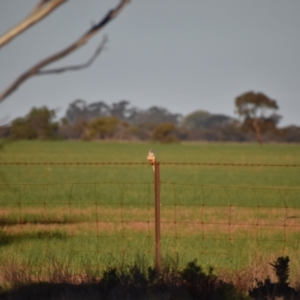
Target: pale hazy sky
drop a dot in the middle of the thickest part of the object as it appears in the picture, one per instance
(183, 55)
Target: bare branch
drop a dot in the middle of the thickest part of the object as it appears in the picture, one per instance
(61, 54)
(77, 67)
(41, 10)
(39, 6)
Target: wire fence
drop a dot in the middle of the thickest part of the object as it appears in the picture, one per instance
(225, 215)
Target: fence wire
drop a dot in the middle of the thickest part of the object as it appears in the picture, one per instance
(74, 213)
(140, 163)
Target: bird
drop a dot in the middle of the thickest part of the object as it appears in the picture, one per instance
(151, 158)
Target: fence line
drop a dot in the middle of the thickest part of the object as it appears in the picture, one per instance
(164, 216)
(215, 164)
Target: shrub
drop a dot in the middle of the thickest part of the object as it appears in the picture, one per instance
(269, 290)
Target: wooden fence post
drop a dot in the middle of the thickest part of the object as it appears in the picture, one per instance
(157, 216)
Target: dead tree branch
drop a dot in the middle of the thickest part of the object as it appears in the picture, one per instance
(37, 68)
(77, 67)
(41, 10)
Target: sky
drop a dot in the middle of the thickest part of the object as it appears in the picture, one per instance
(184, 55)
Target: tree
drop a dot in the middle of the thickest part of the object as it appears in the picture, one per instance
(195, 120)
(38, 124)
(120, 110)
(152, 115)
(201, 119)
(291, 134)
(102, 127)
(165, 133)
(253, 109)
(79, 110)
(40, 11)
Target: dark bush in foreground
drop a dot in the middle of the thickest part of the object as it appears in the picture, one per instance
(140, 282)
(189, 283)
(130, 282)
(278, 290)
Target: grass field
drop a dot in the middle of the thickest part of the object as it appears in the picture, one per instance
(84, 217)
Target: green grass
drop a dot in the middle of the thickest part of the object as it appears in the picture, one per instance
(136, 152)
(225, 216)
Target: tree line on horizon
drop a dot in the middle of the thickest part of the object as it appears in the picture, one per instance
(257, 121)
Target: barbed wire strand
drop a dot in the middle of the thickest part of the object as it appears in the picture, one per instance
(216, 164)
